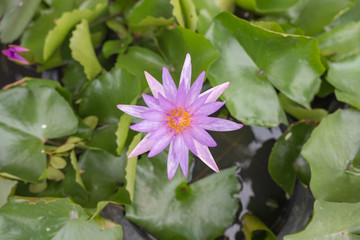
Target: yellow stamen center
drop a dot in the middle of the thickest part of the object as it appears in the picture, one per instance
(179, 120)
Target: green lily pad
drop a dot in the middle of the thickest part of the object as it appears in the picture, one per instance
(6, 189)
(351, 15)
(164, 207)
(74, 77)
(82, 50)
(338, 221)
(341, 41)
(103, 174)
(52, 219)
(344, 76)
(283, 159)
(28, 117)
(103, 94)
(333, 154)
(176, 43)
(104, 138)
(14, 21)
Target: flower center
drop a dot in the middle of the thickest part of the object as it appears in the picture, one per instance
(179, 120)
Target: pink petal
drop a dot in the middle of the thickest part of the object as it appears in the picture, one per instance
(186, 73)
(135, 111)
(216, 124)
(195, 89)
(165, 104)
(169, 85)
(172, 161)
(209, 108)
(182, 153)
(143, 146)
(215, 92)
(198, 103)
(154, 115)
(146, 126)
(181, 96)
(151, 101)
(205, 155)
(189, 141)
(19, 48)
(154, 85)
(160, 132)
(202, 136)
(160, 144)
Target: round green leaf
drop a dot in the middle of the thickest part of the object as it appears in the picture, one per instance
(176, 43)
(37, 187)
(103, 174)
(344, 76)
(333, 152)
(159, 209)
(82, 50)
(286, 151)
(333, 221)
(54, 174)
(103, 94)
(341, 41)
(57, 162)
(16, 19)
(56, 219)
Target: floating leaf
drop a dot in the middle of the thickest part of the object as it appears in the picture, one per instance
(103, 173)
(52, 219)
(333, 154)
(16, 19)
(341, 41)
(82, 50)
(65, 148)
(176, 43)
(6, 189)
(164, 207)
(286, 152)
(338, 221)
(57, 162)
(91, 121)
(54, 174)
(344, 76)
(37, 187)
(299, 112)
(74, 77)
(266, 6)
(29, 116)
(104, 138)
(65, 23)
(103, 94)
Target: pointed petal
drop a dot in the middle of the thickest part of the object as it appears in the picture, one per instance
(160, 144)
(151, 101)
(215, 92)
(154, 85)
(189, 142)
(186, 73)
(135, 111)
(205, 155)
(19, 48)
(154, 115)
(147, 126)
(169, 85)
(202, 136)
(216, 124)
(195, 89)
(160, 132)
(181, 96)
(198, 103)
(165, 104)
(172, 161)
(182, 153)
(209, 108)
(143, 146)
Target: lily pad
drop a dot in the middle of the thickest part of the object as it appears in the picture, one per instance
(6, 189)
(28, 117)
(283, 159)
(333, 155)
(103, 94)
(344, 76)
(338, 221)
(51, 219)
(164, 207)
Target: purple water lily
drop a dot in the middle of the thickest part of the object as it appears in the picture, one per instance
(12, 54)
(179, 117)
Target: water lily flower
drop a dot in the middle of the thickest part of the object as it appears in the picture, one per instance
(12, 54)
(179, 117)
